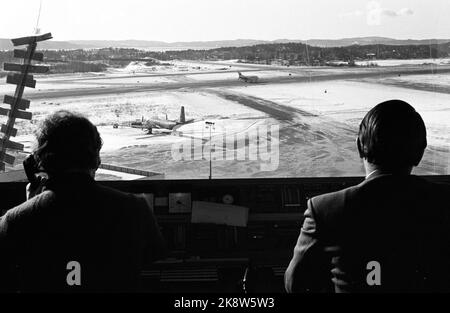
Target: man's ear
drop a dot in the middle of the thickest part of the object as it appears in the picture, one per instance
(99, 161)
(360, 149)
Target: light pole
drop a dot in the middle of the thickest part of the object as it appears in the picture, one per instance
(210, 125)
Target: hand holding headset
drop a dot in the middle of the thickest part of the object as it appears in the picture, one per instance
(36, 182)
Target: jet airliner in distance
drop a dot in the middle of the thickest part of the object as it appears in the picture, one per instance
(248, 79)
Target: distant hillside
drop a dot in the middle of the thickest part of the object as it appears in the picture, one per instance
(302, 54)
(5, 44)
(161, 44)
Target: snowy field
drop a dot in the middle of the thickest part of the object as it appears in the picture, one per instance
(348, 101)
(404, 62)
(435, 79)
(393, 62)
(175, 66)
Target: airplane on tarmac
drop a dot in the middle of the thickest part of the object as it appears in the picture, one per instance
(151, 124)
(248, 79)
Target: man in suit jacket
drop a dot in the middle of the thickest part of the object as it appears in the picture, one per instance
(74, 235)
(388, 234)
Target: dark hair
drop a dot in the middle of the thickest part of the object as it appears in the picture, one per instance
(392, 135)
(66, 141)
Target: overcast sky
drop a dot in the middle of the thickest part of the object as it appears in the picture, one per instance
(189, 20)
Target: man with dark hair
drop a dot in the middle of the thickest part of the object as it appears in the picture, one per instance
(68, 141)
(392, 137)
(73, 235)
(388, 234)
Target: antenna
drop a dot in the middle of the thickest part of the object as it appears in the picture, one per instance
(307, 52)
(210, 125)
(37, 30)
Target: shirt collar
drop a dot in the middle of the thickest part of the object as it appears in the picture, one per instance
(371, 174)
(377, 173)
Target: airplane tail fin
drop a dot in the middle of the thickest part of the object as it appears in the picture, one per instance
(182, 115)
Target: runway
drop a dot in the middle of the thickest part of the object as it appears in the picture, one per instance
(302, 76)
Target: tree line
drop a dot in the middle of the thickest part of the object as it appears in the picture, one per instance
(97, 60)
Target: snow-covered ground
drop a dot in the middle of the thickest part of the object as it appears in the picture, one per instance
(52, 83)
(442, 61)
(432, 79)
(317, 121)
(174, 66)
(134, 73)
(349, 101)
(392, 62)
(128, 107)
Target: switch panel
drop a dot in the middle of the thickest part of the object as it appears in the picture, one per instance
(180, 203)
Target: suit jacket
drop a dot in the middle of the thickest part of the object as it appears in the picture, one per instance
(109, 233)
(388, 234)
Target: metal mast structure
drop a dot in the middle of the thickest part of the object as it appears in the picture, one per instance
(18, 105)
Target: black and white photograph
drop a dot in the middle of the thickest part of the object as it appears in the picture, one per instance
(224, 155)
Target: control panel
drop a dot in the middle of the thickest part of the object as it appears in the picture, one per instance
(223, 235)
